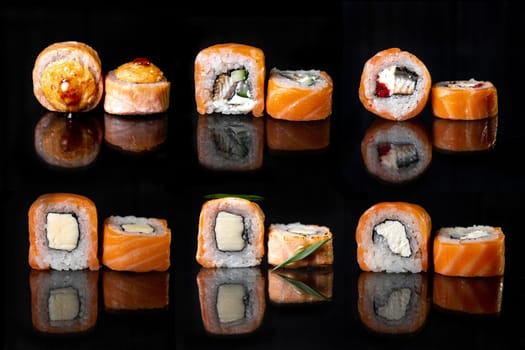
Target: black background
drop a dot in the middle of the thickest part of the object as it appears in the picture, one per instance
(455, 40)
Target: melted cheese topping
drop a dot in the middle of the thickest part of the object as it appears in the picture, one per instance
(139, 71)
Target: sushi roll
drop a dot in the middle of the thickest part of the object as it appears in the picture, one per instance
(464, 136)
(393, 237)
(67, 77)
(393, 304)
(464, 99)
(299, 95)
(235, 143)
(138, 134)
(137, 87)
(232, 301)
(129, 291)
(63, 232)
(137, 244)
(298, 286)
(68, 141)
(396, 152)
(285, 240)
(395, 85)
(230, 79)
(64, 302)
(467, 295)
(297, 136)
(231, 233)
(473, 251)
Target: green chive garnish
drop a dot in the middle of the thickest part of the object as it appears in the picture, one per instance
(251, 197)
(302, 253)
(304, 288)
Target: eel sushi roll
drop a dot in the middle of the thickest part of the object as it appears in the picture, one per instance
(299, 95)
(298, 286)
(393, 237)
(64, 302)
(63, 232)
(137, 87)
(464, 99)
(67, 77)
(395, 85)
(297, 136)
(393, 304)
(285, 240)
(137, 244)
(68, 141)
(467, 295)
(464, 136)
(129, 291)
(231, 233)
(232, 301)
(235, 143)
(230, 79)
(396, 152)
(473, 251)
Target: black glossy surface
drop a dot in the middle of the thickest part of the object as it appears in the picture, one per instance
(328, 186)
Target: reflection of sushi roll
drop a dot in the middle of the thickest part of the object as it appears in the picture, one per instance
(135, 88)
(67, 77)
(464, 99)
(285, 240)
(393, 237)
(136, 244)
(235, 143)
(396, 152)
(474, 251)
(232, 301)
(230, 79)
(231, 233)
(130, 291)
(477, 296)
(63, 232)
(295, 286)
(64, 302)
(299, 95)
(464, 135)
(285, 135)
(393, 304)
(68, 141)
(394, 85)
(136, 135)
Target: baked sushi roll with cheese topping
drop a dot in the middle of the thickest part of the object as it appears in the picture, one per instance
(63, 232)
(64, 302)
(137, 244)
(135, 88)
(230, 79)
(232, 301)
(299, 95)
(297, 136)
(464, 136)
(393, 237)
(67, 77)
(231, 233)
(285, 240)
(396, 152)
(298, 286)
(464, 99)
(473, 251)
(393, 304)
(395, 85)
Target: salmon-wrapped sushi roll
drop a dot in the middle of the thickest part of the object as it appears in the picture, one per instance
(230, 79)
(67, 77)
(464, 135)
(285, 240)
(297, 286)
(395, 84)
(299, 95)
(393, 237)
(231, 233)
(464, 99)
(63, 232)
(474, 251)
(135, 88)
(136, 244)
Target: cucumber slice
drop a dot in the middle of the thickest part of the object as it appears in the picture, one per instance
(238, 75)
